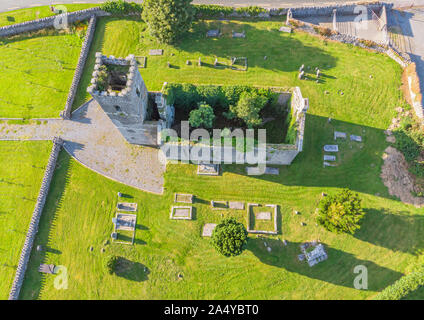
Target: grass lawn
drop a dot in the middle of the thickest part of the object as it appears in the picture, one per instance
(81, 204)
(22, 15)
(365, 101)
(22, 167)
(36, 73)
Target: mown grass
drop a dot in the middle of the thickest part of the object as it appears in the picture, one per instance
(36, 73)
(27, 14)
(21, 171)
(365, 101)
(81, 205)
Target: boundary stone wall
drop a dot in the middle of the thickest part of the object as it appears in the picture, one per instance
(33, 226)
(48, 22)
(66, 113)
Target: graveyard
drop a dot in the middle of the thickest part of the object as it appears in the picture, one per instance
(167, 255)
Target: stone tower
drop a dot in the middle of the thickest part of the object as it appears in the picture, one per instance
(119, 89)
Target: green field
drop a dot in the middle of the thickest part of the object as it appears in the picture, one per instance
(22, 15)
(22, 167)
(36, 73)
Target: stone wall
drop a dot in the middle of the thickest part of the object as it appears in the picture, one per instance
(66, 114)
(49, 22)
(33, 226)
(342, 10)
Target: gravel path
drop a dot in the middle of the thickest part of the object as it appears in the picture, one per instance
(92, 139)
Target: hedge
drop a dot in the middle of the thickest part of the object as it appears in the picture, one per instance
(121, 7)
(213, 11)
(403, 286)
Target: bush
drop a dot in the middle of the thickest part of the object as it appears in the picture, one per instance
(111, 263)
(403, 286)
(229, 237)
(121, 7)
(168, 19)
(248, 108)
(202, 117)
(102, 78)
(341, 212)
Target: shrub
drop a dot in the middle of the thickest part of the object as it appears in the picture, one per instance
(211, 94)
(184, 96)
(212, 10)
(229, 237)
(121, 7)
(403, 286)
(248, 108)
(102, 78)
(111, 263)
(341, 212)
(168, 19)
(202, 117)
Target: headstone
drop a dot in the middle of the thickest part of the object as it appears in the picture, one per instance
(215, 62)
(286, 29)
(328, 164)
(213, 33)
(168, 64)
(266, 215)
(269, 249)
(301, 75)
(338, 134)
(188, 62)
(237, 205)
(301, 68)
(199, 63)
(318, 73)
(156, 52)
(39, 248)
(331, 148)
(355, 138)
(208, 229)
(327, 157)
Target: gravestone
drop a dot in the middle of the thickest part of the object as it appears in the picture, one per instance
(265, 215)
(331, 148)
(213, 33)
(338, 134)
(237, 205)
(355, 138)
(301, 75)
(156, 52)
(329, 158)
(301, 68)
(286, 29)
(208, 229)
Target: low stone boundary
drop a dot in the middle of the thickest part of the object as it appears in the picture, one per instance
(343, 10)
(33, 226)
(49, 22)
(66, 113)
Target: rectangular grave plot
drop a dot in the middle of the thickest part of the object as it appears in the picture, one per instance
(183, 198)
(262, 219)
(126, 206)
(236, 205)
(156, 52)
(181, 213)
(208, 229)
(219, 205)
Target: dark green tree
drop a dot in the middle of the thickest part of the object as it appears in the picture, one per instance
(341, 212)
(168, 19)
(248, 108)
(229, 237)
(202, 116)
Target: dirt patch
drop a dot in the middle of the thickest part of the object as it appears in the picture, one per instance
(397, 179)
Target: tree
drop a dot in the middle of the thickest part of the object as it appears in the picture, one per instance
(229, 237)
(248, 108)
(341, 212)
(202, 116)
(111, 262)
(168, 19)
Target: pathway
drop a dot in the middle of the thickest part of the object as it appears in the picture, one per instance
(92, 139)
